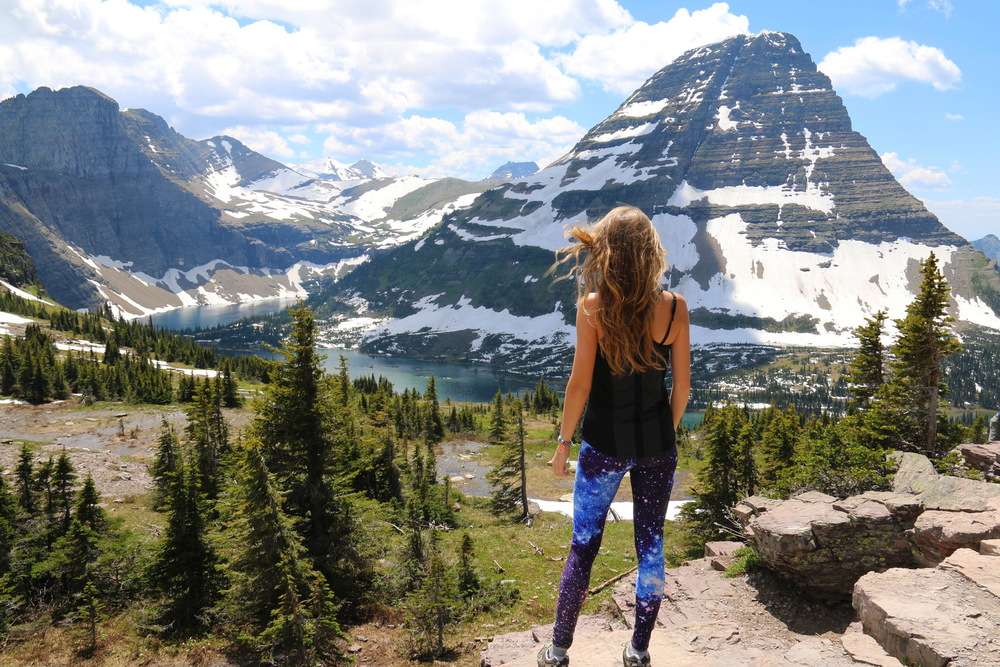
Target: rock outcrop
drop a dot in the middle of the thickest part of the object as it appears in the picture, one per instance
(708, 620)
(948, 615)
(824, 545)
(985, 457)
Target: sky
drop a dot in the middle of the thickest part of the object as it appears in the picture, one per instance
(459, 87)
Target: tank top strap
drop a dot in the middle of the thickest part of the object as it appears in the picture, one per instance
(673, 311)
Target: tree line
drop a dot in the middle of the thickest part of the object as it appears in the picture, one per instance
(898, 393)
(327, 503)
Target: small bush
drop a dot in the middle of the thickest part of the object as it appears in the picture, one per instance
(746, 561)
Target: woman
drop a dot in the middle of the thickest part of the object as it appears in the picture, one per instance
(628, 328)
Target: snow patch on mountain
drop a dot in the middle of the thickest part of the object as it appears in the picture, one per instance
(375, 204)
(543, 332)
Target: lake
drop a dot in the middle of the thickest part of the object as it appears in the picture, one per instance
(208, 316)
(460, 382)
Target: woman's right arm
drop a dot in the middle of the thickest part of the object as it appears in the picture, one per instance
(680, 361)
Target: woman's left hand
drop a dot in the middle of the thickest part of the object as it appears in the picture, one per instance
(560, 462)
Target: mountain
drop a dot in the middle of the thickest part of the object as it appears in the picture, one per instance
(117, 206)
(513, 170)
(989, 245)
(328, 169)
(782, 225)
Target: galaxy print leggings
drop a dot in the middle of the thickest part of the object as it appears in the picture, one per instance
(597, 479)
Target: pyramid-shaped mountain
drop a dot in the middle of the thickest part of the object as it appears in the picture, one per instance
(781, 222)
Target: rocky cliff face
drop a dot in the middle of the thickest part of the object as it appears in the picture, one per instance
(780, 221)
(117, 206)
(76, 184)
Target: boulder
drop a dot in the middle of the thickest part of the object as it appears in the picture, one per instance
(983, 457)
(937, 534)
(824, 545)
(933, 617)
(916, 475)
(990, 547)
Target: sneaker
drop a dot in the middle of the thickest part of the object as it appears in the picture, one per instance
(545, 659)
(633, 660)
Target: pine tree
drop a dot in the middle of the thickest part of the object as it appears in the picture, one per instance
(867, 369)
(272, 577)
(63, 478)
(184, 569)
(304, 427)
(432, 609)
(718, 483)
(8, 528)
(433, 426)
(207, 436)
(164, 463)
(90, 615)
(777, 449)
(468, 580)
(230, 391)
(508, 476)
(925, 341)
(25, 479)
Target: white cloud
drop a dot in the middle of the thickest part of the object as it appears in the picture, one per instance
(954, 116)
(972, 218)
(483, 141)
(874, 66)
(956, 166)
(268, 142)
(624, 59)
(299, 139)
(912, 175)
(943, 6)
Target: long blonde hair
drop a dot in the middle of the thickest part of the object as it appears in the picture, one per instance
(624, 264)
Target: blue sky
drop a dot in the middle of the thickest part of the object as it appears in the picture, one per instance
(457, 87)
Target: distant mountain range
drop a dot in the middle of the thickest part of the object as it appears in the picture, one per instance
(513, 170)
(781, 223)
(989, 245)
(117, 206)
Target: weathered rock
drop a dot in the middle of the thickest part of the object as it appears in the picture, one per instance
(977, 568)
(931, 617)
(866, 650)
(937, 534)
(824, 545)
(916, 475)
(722, 548)
(990, 547)
(502, 649)
(983, 457)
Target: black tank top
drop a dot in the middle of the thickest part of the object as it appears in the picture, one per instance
(628, 416)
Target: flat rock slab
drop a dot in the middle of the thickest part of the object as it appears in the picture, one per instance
(916, 475)
(716, 644)
(982, 457)
(937, 534)
(931, 617)
(502, 649)
(866, 650)
(977, 568)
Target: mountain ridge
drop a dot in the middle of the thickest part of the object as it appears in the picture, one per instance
(782, 225)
